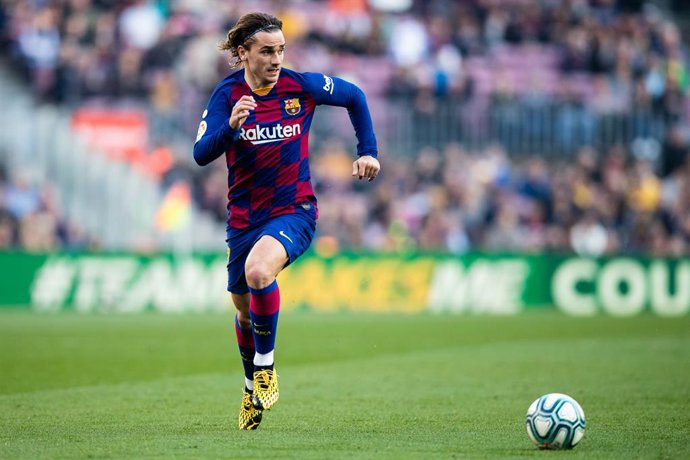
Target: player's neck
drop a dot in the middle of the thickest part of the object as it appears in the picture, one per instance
(257, 88)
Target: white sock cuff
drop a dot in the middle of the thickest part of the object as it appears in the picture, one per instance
(263, 359)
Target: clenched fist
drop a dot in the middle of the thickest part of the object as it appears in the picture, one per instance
(366, 166)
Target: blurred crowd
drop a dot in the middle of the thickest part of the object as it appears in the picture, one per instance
(591, 58)
(610, 54)
(30, 218)
(455, 201)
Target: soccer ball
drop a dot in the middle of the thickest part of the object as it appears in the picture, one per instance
(555, 421)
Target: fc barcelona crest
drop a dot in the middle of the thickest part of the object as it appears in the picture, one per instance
(292, 106)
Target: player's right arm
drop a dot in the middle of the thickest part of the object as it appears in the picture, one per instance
(220, 126)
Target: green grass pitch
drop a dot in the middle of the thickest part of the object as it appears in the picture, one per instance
(352, 386)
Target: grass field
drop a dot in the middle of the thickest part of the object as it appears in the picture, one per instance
(352, 386)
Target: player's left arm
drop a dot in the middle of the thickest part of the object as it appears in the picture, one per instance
(338, 92)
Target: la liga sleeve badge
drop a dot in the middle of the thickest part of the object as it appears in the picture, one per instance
(202, 129)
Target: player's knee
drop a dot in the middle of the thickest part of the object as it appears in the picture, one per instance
(258, 275)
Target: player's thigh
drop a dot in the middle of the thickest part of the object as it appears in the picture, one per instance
(294, 231)
(266, 258)
(239, 245)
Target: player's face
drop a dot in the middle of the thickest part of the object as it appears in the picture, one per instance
(263, 60)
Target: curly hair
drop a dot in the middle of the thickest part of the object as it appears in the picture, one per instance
(242, 34)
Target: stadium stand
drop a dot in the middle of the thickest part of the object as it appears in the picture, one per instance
(504, 125)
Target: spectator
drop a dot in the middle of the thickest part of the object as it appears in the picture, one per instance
(8, 230)
(141, 25)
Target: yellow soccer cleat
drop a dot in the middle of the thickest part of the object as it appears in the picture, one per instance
(265, 389)
(250, 417)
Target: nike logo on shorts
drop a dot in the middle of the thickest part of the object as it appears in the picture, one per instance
(282, 233)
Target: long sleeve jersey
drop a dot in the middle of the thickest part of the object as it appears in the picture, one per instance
(268, 157)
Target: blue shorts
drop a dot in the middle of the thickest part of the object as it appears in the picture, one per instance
(293, 231)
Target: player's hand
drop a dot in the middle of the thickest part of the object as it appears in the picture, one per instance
(241, 111)
(366, 166)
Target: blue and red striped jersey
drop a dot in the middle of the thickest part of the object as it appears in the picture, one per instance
(268, 157)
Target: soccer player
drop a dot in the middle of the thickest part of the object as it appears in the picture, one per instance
(259, 117)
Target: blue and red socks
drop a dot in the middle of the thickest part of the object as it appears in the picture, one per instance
(245, 340)
(264, 305)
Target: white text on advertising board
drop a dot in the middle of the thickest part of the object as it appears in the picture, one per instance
(622, 287)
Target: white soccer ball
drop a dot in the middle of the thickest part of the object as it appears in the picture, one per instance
(555, 421)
